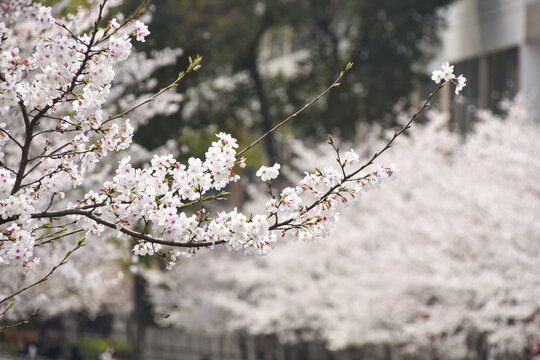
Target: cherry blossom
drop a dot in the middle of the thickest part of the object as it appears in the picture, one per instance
(65, 152)
(268, 173)
(460, 82)
(61, 96)
(451, 254)
(44, 16)
(114, 23)
(446, 73)
(141, 31)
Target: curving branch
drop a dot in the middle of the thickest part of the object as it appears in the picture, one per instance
(90, 215)
(336, 83)
(22, 322)
(350, 176)
(194, 65)
(87, 211)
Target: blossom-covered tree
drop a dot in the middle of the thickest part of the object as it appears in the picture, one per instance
(64, 111)
(86, 282)
(450, 249)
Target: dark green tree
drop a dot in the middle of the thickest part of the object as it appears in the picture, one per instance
(387, 40)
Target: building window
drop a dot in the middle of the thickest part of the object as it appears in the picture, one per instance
(491, 79)
(466, 104)
(502, 78)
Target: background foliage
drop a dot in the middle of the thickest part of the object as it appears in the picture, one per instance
(245, 83)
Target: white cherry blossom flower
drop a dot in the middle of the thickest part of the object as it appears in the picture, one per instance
(446, 73)
(461, 82)
(268, 173)
(114, 24)
(351, 157)
(141, 31)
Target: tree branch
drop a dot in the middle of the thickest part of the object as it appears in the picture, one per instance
(407, 126)
(30, 124)
(135, 234)
(336, 83)
(22, 322)
(12, 138)
(80, 244)
(194, 65)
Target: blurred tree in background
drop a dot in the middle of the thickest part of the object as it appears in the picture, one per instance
(238, 90)
(448, 250)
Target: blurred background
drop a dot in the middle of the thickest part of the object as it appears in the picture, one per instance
(444, 263)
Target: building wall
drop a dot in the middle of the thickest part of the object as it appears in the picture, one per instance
(482, 26)
(496, 43)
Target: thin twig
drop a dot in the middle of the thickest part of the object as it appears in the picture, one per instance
(58, 237)
(134, 15)
(45, 156)
(69, 31)
(22, 322)
(194, 65)
(46, 277)
(12, 138)
(336, 83)
(8, 169)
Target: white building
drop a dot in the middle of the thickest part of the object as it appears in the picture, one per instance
(496, 44)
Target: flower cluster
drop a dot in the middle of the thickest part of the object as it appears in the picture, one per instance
(159, 194)
(332, 190)
(268, 173)
(431, 261)
(18, 248)
(57, 84)
(447, 74)
(58, 87)
(44, 16)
